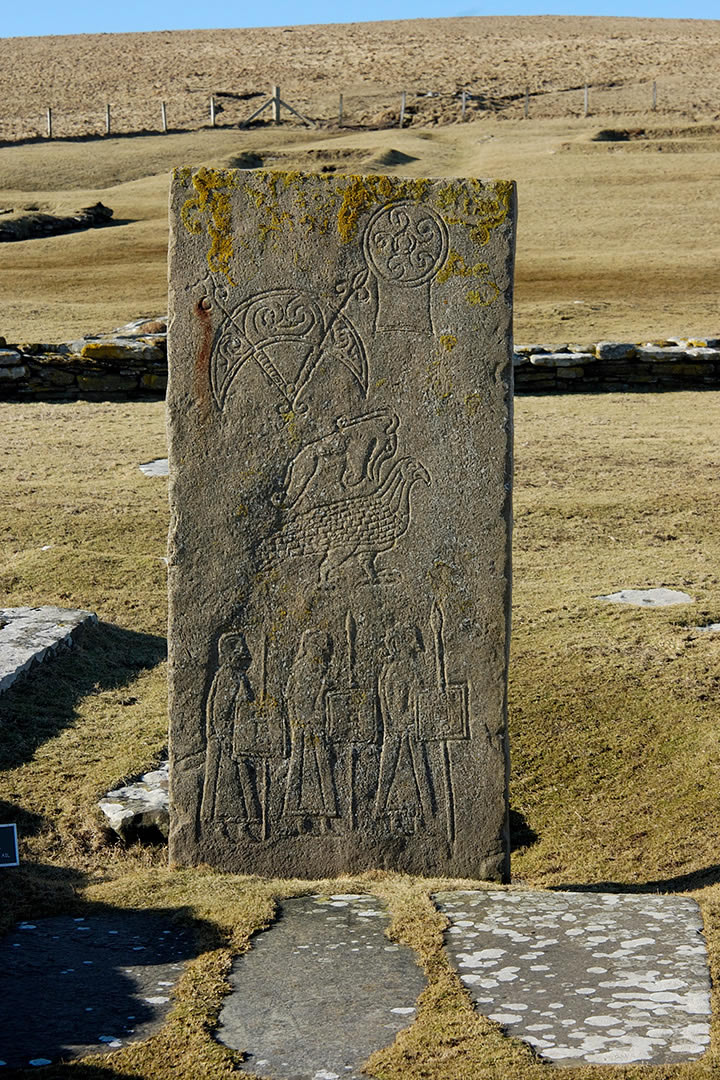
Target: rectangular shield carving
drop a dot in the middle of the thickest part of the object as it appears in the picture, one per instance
(340, 423)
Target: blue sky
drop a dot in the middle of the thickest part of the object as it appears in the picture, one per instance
(89, 16)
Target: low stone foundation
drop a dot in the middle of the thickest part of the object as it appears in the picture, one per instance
(675, 364)
(128, 363)
(131, 362)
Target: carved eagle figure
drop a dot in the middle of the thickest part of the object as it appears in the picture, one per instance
(358, 526)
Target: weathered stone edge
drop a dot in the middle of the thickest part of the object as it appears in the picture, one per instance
(76, 624)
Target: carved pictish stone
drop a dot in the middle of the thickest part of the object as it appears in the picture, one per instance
(340, 421)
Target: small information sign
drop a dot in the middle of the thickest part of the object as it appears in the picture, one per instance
(8, 846)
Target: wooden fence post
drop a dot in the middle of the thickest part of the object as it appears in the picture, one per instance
(276, 104)
(403, 100)
(462, 107)
(49, 123)
(163, 112)
(527, 102)
(340, 111)
(586, 107)
(212, 111)
(654, 96)
(107, 119)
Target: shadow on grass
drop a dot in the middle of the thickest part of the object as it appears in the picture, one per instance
(522, 835)
(102, 975)
(28, 824)
(100, 136)
(43, 702)
(697, 879)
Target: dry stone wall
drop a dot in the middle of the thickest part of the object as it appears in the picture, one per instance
(674, 364)
(131, 362)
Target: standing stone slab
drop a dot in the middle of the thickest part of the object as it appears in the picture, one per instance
(340, 444)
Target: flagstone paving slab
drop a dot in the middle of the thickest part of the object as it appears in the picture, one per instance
(600, 978)
(157, 467)
(30, 634)
(320, 991)
(76, 986)
(647, 597)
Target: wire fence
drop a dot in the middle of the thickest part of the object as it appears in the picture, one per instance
(361, 110)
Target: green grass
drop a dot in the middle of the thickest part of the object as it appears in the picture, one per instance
(614, 725)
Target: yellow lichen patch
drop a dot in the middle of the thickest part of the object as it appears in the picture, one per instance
(483, 296)
(438, 378)
(264, 195)
(484, 293)
(241, 511)
(473, 404)
(448, 341)
(211, 206)
(313, 210)
(289, 419)
(479, 206)
(362, 192)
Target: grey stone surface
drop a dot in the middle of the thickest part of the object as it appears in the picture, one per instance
(340, 426)
(561, 360)
(77, 986)
(600, 978)
(320, 991)
(140, 806)
(30, 634)
(615, 350)
(648, 597)
(157, 467)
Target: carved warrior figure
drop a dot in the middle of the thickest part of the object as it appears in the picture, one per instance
(310, 784)
(404, 786)
(244, 732)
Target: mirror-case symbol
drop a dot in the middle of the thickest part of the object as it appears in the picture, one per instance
(405, 245)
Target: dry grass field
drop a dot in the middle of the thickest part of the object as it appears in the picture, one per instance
(613, 710)
(617, 238)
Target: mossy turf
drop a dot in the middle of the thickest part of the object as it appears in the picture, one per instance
(613, 710)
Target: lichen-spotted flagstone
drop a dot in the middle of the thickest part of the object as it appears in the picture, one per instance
(601, 978)
(320, 990)
(30, 634)
(340, 428)
(76, 986)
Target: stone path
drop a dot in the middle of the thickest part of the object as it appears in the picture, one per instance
(29, 634)
(76, 986)
(600, 978)
(320, 991)
(603, 979)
